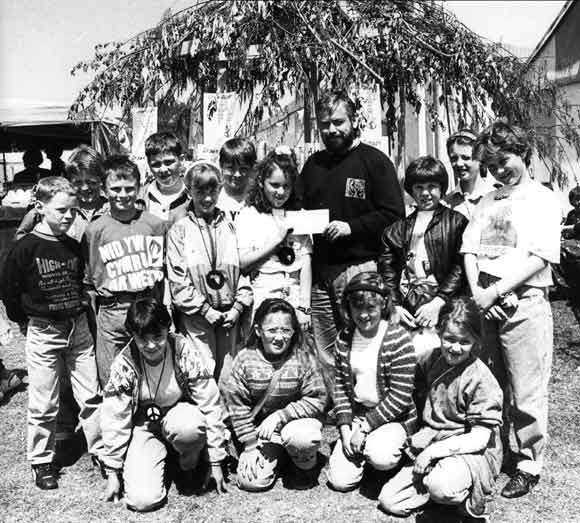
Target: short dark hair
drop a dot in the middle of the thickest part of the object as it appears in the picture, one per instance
(270, 306)
(361, 287)
(426, 169)
(463, 313)
(120, 166)
(501, 137)
(147, 316)
(463, 136)
(32, 158)
(274, 160)
(85, 160)
(162, 143)
(48, 187)
(330, 99)
(237, 151)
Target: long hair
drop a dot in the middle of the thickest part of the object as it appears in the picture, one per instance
(270, 306)
(274, 160)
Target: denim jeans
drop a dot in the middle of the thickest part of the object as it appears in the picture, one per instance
(518, 350)
(48, 343)
(111, 336)
(328, 285)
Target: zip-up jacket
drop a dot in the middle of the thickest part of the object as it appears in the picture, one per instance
(192, 245)
(121, 399)
(443, 238)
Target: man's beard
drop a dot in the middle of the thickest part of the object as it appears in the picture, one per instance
(339, 143)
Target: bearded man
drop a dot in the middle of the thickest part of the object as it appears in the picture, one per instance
(358, 185)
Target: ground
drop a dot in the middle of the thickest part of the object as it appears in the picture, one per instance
(555, 499)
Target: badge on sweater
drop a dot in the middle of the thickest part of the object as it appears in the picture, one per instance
(355, 188)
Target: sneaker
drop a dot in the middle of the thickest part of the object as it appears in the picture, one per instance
(44, 476)
(9, 381)
(519, 485)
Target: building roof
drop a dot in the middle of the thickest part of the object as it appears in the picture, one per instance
(551, 30)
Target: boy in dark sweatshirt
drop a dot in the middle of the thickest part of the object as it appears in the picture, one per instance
(42, 285)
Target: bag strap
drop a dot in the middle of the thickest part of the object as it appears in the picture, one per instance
(271, 386)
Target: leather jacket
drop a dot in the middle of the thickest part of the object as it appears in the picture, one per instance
(442, 242)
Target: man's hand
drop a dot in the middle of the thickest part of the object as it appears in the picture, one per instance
(250, 461)
(216, 473)
(405, 317)
(428, 315)
(336, 229)
(495, 312)
(269, 426)
(213, 317)
(230, 318)
(113, 488)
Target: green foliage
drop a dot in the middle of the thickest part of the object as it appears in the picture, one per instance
(406, 46)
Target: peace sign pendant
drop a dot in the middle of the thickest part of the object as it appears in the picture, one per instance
(215, 279)
(153, 412)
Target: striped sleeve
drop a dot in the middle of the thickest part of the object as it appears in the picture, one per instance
(312, 396)
(398, 360)
(239, 402)
(342, 403)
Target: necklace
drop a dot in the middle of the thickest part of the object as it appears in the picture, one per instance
(215, 279)
(152, 410)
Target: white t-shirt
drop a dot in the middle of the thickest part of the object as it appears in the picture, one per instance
(229, 205)
(364, 357)
(508, 224)
(272, 278)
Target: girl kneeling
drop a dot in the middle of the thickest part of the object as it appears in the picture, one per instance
(275, 395)
(373, 392)
(457, 454)
(161, 393)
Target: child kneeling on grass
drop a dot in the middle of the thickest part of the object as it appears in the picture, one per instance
(457, 453)
(161, 394)
(373, 392)
(275, 396)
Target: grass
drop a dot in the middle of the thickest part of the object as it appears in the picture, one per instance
(555, 499)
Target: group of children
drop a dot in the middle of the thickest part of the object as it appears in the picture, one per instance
(208, 253)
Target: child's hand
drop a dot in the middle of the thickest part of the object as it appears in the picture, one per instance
(357, 441)
(422, 463)
(113, 488)
(249, 463)
(484, 298)
(269, 426)
(230, 318)
(336, 229)
(345, 438)
(213, 317)
(428, 315)
(216, 473)
(405, 317)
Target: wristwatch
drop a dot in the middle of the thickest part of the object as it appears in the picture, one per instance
(305, 310)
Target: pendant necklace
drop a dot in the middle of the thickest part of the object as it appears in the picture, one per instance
(285, 253)
(215, 279)
(152, 410)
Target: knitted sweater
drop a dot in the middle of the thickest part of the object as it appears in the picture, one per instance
(395, 380)
(299, 393)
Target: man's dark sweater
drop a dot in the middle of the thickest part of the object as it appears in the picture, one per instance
(43, 277)
(360, 188)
